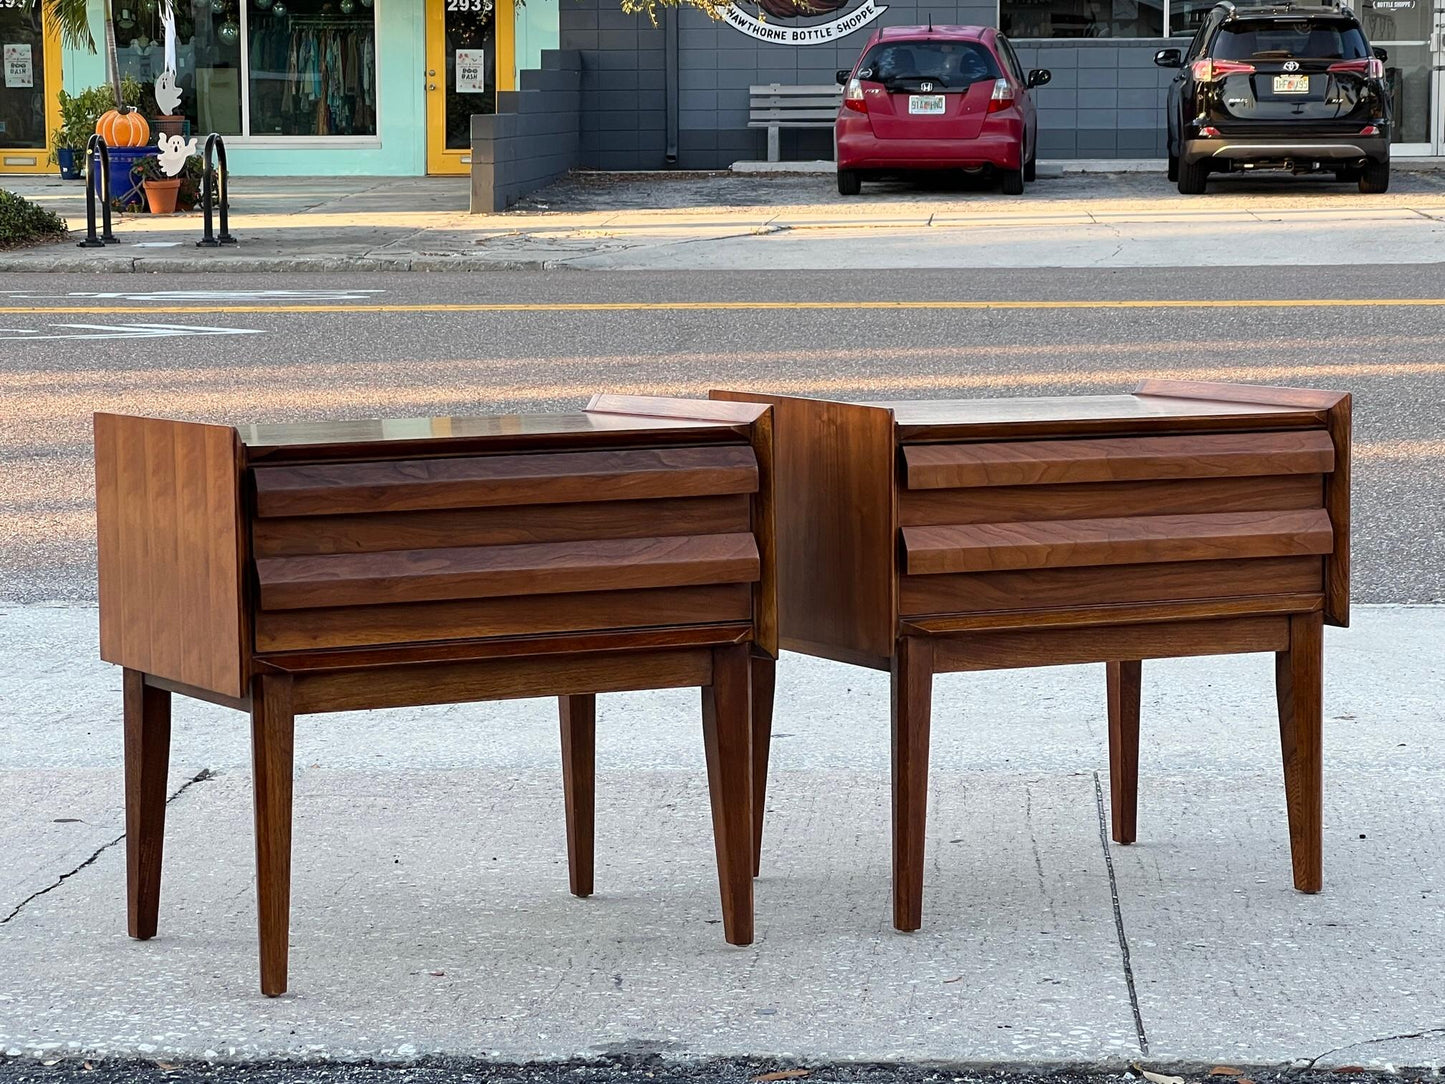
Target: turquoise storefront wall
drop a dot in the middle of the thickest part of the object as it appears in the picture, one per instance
(400, 146)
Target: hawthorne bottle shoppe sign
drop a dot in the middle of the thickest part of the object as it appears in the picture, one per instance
(837, 22)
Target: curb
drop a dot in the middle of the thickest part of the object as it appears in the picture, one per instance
(246, 265)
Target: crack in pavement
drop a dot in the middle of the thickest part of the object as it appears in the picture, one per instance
(200, 777)
(1427, 1033)
(1119, 917)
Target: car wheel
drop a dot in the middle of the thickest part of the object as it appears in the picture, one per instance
(1031, 169)
(1013, 181)
(1375, 177)
(1173, 167)
(1192, 176)
(850, 183)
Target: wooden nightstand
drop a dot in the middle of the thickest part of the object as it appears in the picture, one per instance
(286, 569)
(1184, 519)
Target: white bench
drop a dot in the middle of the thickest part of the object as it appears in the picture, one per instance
(776, 106)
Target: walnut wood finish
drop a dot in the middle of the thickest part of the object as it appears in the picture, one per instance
(287, 570)
(833, 491)
(489, 481)
(1117, 459)
(1299, 684)
(1184, 519)
(1122, 679)
(147, 763)
(169, 550)
(579, 787)
(543, 568)
(764, 679)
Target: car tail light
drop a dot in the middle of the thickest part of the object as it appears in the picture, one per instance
(1002, 97)
(1373, 68)
(1208, 131)
(1206, 71)
(1369, 129)
(853, 99)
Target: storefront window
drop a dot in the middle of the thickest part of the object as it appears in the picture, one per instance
(309, 66)
(1082, 18)
(313, 67)
(22, 92)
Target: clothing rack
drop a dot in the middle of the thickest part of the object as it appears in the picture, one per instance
(327, 22)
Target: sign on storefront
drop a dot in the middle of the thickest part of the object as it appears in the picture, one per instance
(471, 71)
(814, 34)
(19, 66)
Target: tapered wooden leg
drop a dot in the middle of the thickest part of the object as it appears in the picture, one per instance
(147, 762)
(764, 677)
(272, 762)
(727, 738)
(1124, 747)
(1299, 684)
(579, 786)
(912, 696)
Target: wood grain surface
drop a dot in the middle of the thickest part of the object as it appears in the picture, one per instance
(543, 568)
(1095, 500)
(985, 547)
(170, 550)
(1117, 459)
(483, 481)
(1065, 588)
(368, 533)
(419, 623)
(833, 485)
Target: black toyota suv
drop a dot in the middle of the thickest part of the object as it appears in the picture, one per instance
(1278, 87)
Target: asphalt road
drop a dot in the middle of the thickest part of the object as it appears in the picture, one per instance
(278, 347)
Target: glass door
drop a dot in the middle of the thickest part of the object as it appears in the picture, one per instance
(1406, 30)
(29, 106)
(463, 61)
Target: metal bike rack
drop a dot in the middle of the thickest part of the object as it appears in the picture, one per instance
(215, 179)
(97, 154)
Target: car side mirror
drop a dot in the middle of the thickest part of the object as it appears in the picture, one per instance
(1380, 54)
(843, 74)
(1039, 76)
(1169, 58)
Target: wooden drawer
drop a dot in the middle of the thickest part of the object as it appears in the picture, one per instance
(421, 550)
(1095, 524)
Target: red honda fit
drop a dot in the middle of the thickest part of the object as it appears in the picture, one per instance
(937, 97)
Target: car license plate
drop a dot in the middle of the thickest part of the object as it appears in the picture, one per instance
(1291, 84)
(925, 103)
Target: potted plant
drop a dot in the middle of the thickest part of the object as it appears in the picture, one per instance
(161, 191)
(193, 177)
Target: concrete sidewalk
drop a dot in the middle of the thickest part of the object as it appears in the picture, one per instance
(792, 221)
(431, 914)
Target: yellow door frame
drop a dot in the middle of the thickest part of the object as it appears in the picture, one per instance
(439, 159)
(37, 159)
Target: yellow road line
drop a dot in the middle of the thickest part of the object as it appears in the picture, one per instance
(140, 309)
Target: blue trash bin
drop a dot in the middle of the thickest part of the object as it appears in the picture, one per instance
(125, 190)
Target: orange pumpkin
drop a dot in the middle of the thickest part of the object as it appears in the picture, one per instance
(123, 129)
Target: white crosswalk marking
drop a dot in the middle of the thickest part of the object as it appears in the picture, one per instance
(125, 331)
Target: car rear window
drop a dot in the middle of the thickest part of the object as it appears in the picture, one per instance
(951, 64)
(1311, 39)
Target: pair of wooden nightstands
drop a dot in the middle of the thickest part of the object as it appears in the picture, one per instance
(652, 543)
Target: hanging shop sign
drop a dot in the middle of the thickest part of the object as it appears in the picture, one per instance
(790, 33)
(19, 66)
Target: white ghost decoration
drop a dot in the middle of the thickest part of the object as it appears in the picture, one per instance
(173, 153)
(168, 95)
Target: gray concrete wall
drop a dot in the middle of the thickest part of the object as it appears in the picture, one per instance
(1106, 99)
(534, 137)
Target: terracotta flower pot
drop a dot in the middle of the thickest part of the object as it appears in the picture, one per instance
(169, 125)
(161, 195)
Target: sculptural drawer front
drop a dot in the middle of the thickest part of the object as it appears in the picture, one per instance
(407, 551)
(1076, 525)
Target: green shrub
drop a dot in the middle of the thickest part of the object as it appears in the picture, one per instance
(24, 223)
